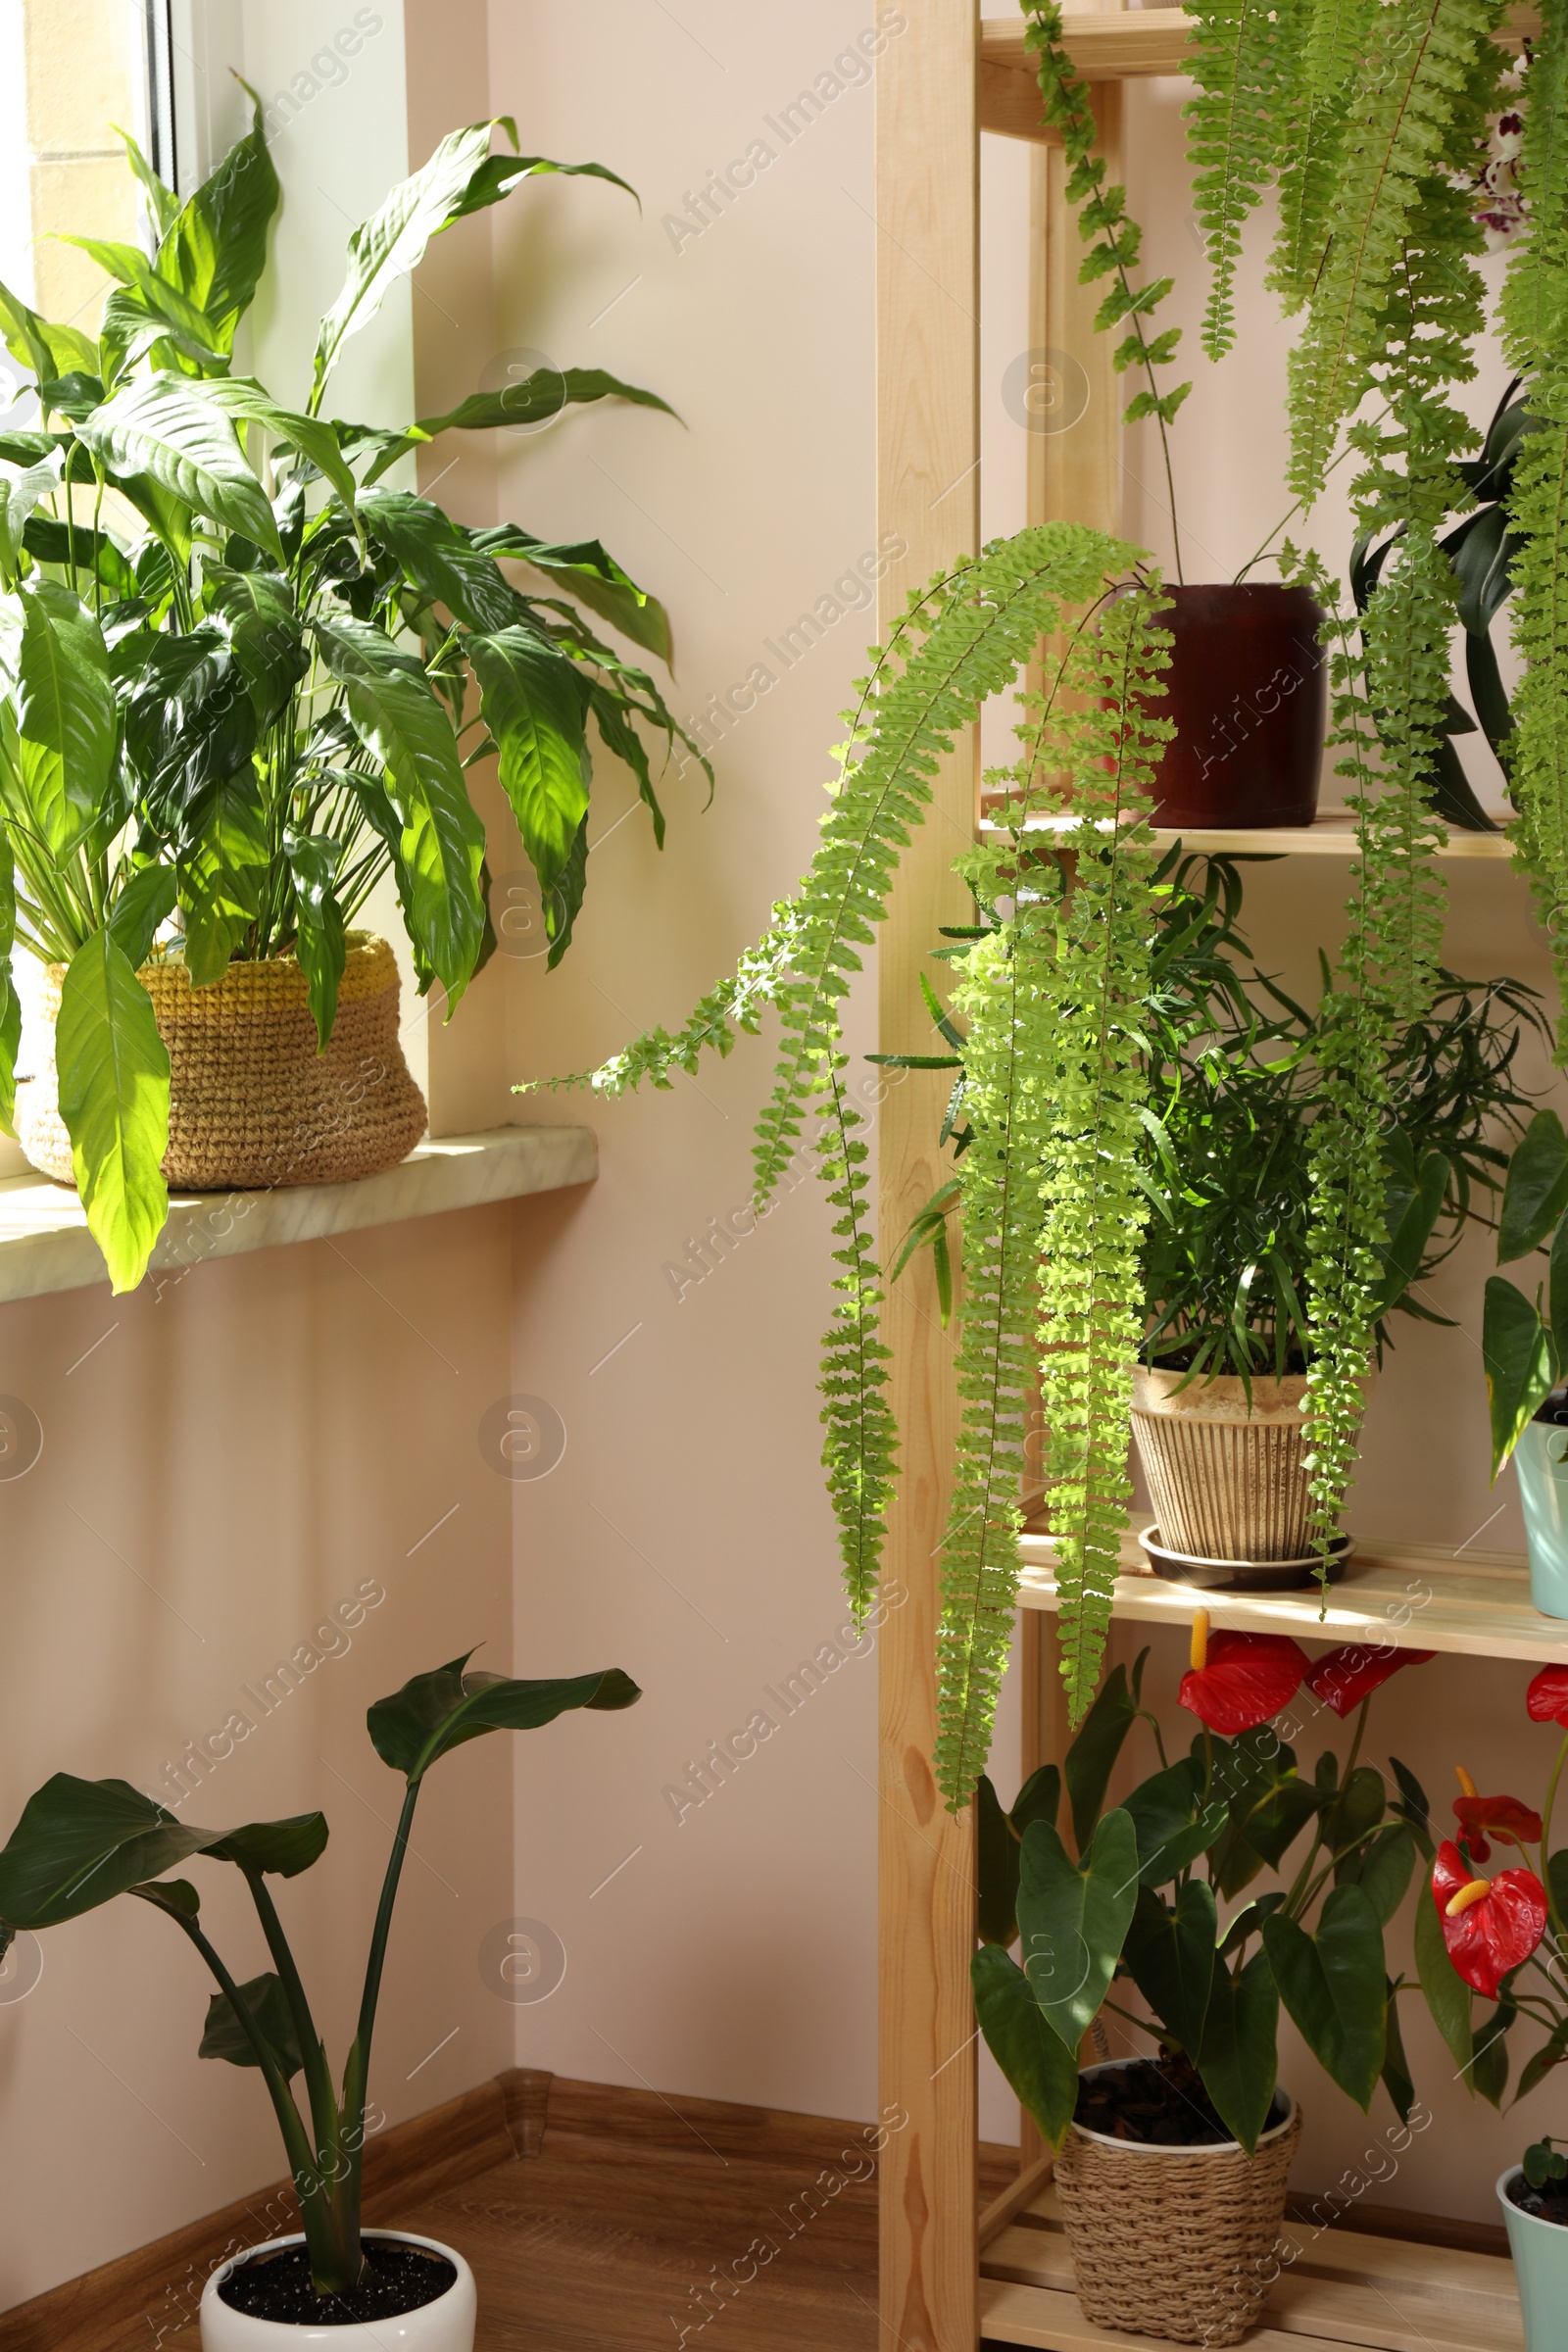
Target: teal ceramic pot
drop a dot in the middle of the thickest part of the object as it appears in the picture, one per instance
(1540, 2251)
(1541, 1459)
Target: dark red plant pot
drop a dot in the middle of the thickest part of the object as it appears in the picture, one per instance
(1248, 692)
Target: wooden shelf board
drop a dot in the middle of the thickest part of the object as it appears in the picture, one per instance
(1331, 836)
(1342, 2288)
(45, 1244)
(1418, 1596)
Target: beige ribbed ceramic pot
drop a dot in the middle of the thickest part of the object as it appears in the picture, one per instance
(251, 1102)
(1227, 1479)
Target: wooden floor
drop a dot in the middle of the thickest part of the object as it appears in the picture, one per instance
(578, 2249)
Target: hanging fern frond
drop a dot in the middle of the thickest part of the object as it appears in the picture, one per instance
(1423, 62)
(1331, 53)
(1534, 319)
(1245, 58)
(961, 640)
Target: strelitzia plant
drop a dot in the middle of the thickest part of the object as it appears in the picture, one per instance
(235, 664)
(81, 1843)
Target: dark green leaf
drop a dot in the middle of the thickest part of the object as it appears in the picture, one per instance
(1490, 2071)
(222, 874)
(267, 2006)
(1384, 1871)
(144, 903)
(279, 1848)
(321, 944)
(437, 1712)
(1516, 1350)
(439, 559)
(1413, 1806)
(539, 396)
(1536, 1192)
(1446, 1994)
(178, 1899)
(1335, 1985)
(1396, 2080)
(92, 551)
(1248, 1920)
(1042, 2069)
(1411, 1217)
(1537, 2066)
(65, 716)
(79, 1843)
(588, 572)
(1039, 1799)
(1172, 1959)
(1356, 1810)
(1239, 2058)
(1090, 1759)
(1171, 1833)
(1073, 1918)
(998, 1854)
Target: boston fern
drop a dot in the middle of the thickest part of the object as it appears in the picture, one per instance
(235, 665)
(1055, 1060)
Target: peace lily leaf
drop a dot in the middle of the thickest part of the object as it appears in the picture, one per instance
(79, 1843)
(65, 716)
(10, 1002)
(1536, 1192)
(436, 1712)
(215, 250)
(1239, 2059)
(442, 845)
(533, 400)
(221, 877)
(114, 1098)
(1335, 1985)
(172, 429)
(438, 557)
(321, 943)
(1171, 1956)
(241, 397)
(162, 201)
(94, 553)
(49, 351)
(1073, 1919)
(534, 701)
(1446, 1994)
(267, 2006)
(264, 632)
(146, 900)
(21, 489)
(1517, 1353)
(1042, 2069)
(461, 177)
(162, 302)
(588, 572)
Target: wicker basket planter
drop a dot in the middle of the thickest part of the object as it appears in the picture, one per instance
(251, 1102)
(1228, 1481)
(1174, 2242)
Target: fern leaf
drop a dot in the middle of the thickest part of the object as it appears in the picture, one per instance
(1243, 59)
(1334, 45)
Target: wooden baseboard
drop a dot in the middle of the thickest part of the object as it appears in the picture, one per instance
(148, 2296)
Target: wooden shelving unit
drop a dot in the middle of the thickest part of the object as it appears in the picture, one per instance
(946, 2271)
(1332, 835)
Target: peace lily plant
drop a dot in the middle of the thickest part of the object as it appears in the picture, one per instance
(235, 664)
(81, 1843)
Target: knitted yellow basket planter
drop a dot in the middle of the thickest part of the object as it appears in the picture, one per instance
(251, 1102)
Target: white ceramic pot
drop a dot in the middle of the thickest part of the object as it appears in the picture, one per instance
(445, 2325)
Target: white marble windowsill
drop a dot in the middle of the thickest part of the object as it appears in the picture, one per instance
(45, 1244)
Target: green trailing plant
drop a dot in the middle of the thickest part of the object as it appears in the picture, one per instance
(1113, 238)
(1533, 314)
(1243, 56)
(1135, 1918)
(1067, 978)
(81, 1843)
(1233, 1091)
(236, 666)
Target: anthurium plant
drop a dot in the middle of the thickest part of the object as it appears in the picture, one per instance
(238, 665)
(81, 1843)
(1144, 1903)
(1524, 1337)
(1502, 1938)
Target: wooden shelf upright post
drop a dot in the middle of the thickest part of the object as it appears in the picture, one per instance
(929, 454)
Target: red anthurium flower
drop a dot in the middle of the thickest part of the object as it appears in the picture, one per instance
(1504, 1816)
(1488, 1927)
(1344, 1677)
(1239, 1681)
(1548, 1696)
